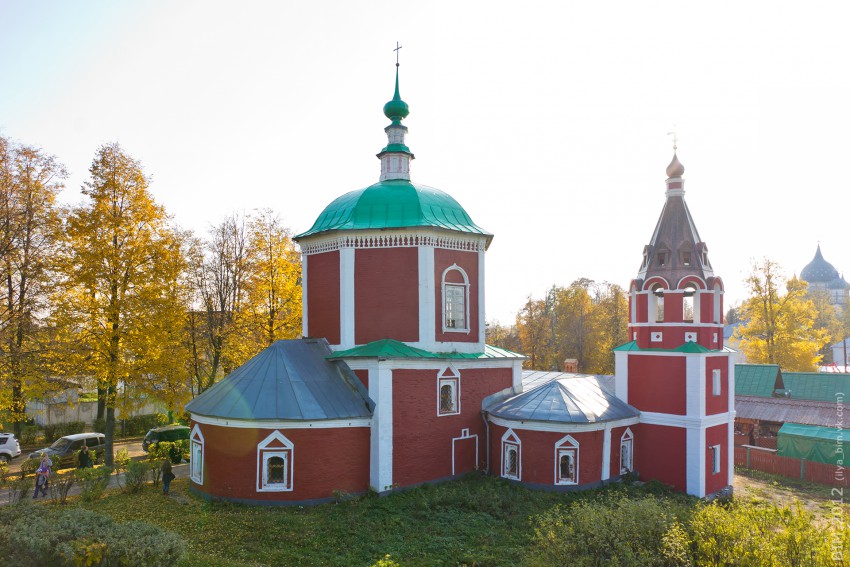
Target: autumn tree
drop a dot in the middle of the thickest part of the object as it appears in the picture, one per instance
(273, 310)
(30, 180)
(220, 270)
(533, 329)
(117, 305)
(780, 327)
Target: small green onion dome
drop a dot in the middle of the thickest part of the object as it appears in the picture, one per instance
(396, 109)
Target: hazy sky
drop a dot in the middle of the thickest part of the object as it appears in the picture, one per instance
(547, 121)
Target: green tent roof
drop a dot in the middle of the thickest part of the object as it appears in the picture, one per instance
(811, 442)
(757, 379)
(396, 203)
(819, 386)
(390, 348)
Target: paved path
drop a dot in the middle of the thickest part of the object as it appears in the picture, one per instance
(180, 471)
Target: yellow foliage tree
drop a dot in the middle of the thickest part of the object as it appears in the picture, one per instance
(29, 224)
(117, 308)
(780, 327)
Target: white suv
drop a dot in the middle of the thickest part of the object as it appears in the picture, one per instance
(9, 447)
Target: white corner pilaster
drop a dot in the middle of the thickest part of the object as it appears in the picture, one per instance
(606, 452)
(427, 295)
(696, 455)
(621, 375)
(695, 386)
(517, 376)
(305, 330)
(381, 443)
(482, 313)
(346, 298)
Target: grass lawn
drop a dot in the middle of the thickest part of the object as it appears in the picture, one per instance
(474, 521)
(478, 520)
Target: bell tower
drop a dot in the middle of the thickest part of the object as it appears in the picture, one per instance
(676, 370)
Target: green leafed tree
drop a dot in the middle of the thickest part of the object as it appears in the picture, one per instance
(30, 180)
(780, 324)
(118, 307)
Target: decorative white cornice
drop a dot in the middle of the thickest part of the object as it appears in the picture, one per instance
(393, 239)
(560, 427)
(653, 418)
(280, 424)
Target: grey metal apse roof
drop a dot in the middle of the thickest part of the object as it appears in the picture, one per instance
(289, 380)
(563, 398)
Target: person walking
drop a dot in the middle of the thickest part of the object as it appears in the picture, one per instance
(167, 476)
(42, 476)
(84, 458)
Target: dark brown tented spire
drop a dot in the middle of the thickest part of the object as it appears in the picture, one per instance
(675, 250)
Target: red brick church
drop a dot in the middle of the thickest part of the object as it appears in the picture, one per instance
(393, 384)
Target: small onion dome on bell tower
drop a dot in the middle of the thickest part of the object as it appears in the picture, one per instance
(395, 157)
(675, 169)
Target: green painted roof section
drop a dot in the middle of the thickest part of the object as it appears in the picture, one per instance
(817, 386)
(396, 203)
(395, 148)
(390, 348)
(756, 379)
(688, 347)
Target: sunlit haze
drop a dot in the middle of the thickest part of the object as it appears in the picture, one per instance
(547, 121)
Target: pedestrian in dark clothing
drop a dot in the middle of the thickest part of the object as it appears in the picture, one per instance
(84, 458)
(167, 476)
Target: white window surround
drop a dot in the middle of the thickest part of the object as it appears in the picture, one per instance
(452, 293)
(196, 464)
(715, 458)
(716, 384)
(511, 456)
(627, 452)
(448, 392)
(567, 449)
(276, 445)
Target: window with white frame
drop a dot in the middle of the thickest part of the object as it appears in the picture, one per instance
(196, 460)
(716, 384)
(455, 286)
(511, 456)
(274, 463)
(715, 458)
(627, 455)
(448, 392)
(566, 461)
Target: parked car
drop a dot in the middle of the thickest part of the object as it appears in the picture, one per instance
(63, 451)
(166, 433)
(9, 447)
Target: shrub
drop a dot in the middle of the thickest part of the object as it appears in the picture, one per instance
(29, 466)
(19, 489)
(140, 424)
(60, 484)
(100, 425)
(135, 476)
(93, 481)
(30, 435)
(614, 529)
(755, 533)
(82, 537)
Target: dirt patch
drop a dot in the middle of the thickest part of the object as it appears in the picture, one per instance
(818, 499)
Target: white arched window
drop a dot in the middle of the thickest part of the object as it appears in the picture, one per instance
(455, 286)
(627, 452)
(275, 463)
(566, 461)
(448, 392)
(196, 456)
(657, 303)
(511, 456)
(690, 304)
